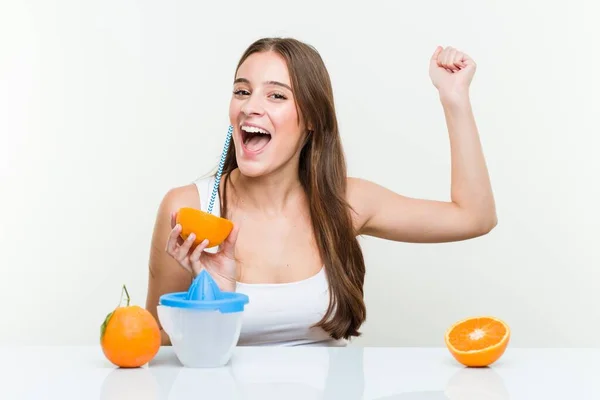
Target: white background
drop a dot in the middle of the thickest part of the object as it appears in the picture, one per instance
(106, 105)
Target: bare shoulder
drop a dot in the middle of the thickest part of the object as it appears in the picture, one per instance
(356, 197)
(180, 196)
(363, 196)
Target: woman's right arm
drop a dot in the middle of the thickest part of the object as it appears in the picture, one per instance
(165, 275)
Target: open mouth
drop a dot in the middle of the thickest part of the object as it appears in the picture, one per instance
(254, 138)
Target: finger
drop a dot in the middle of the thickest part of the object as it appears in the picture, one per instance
(172, 240)
(195, 256)
(173, 219)
(440, 57)
(443, 57)
(228, 247)
(184, 249)
(457, 60)
(436, 54)
(449, 59)
(467, 61)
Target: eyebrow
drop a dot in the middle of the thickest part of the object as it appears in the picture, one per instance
(244, 80)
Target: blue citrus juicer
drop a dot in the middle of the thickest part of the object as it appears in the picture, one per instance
(203, 323)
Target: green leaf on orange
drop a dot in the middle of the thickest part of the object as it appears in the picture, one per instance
(105, 324)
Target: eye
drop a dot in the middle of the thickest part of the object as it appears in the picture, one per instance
(279, 96)
(240, 92)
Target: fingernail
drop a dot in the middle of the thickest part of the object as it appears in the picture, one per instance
(192, 236)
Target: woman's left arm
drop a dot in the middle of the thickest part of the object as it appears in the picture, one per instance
(471, 211)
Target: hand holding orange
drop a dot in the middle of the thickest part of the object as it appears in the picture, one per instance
(203, 230)
(129, 335)
(477, 341)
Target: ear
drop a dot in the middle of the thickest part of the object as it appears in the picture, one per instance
(310, 128)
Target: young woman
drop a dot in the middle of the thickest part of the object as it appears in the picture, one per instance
(296, 213)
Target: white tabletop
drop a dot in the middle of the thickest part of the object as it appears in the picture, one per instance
(305, 373)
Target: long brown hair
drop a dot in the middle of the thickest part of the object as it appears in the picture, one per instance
(322, 173)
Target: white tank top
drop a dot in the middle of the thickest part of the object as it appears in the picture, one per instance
(279, 314)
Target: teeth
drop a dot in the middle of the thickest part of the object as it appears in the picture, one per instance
(252, 129)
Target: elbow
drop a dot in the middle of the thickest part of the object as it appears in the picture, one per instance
(485, 224)
(478, 224)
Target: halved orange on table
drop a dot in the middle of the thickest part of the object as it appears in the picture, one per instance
(204, 226)
(477, 341)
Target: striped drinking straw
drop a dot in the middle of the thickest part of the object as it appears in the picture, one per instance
(220, 170)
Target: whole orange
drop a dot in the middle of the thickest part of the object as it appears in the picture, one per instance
(204, 226)
(129, 335)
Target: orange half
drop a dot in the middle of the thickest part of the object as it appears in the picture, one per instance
(477, 341)
(204, 226)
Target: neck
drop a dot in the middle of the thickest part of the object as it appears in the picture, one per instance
(271, 194)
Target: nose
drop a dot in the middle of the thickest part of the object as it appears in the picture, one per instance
(252, 106)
